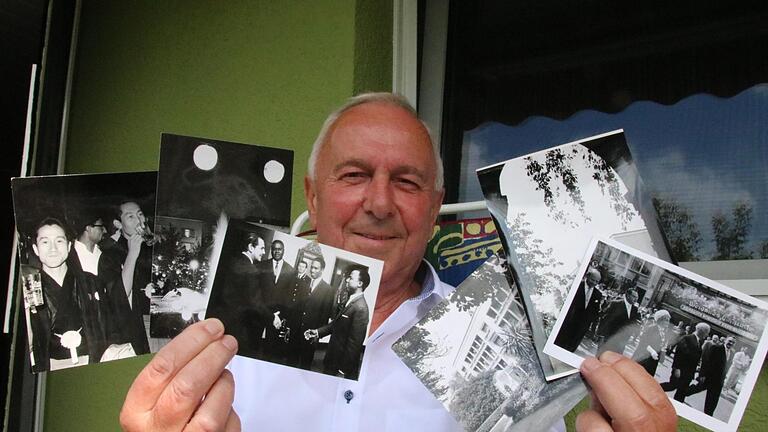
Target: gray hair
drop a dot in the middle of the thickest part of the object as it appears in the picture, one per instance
(661, 314)
(702, 327)
(364, 98)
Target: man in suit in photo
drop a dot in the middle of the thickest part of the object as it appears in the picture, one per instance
(347, 330)
(582, 313)
(316, 313)
(687, 356)
(88, 257)
(715, 361)
(237, 298)
(294, 308)
(277, 278)
(619, 321)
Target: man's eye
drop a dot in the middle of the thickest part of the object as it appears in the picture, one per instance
(408, 183)
(354, 176)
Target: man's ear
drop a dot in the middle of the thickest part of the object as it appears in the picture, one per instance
(34, 249)
(437, 203)
(116, 223)
(310, 194)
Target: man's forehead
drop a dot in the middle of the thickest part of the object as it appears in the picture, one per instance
(129, 207)
(50, 231)
(378, 125)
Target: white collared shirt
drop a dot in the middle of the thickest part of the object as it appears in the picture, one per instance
(587, 294)
(89, 261)
(388, 396)
(313, 284)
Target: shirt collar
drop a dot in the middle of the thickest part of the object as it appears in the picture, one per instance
(81, 247)
(429, 285)
(353, 297)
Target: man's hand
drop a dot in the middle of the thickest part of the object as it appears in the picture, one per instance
(185, 386)
(624, 397)
(134, 244)
(311, 335)
(276, 322)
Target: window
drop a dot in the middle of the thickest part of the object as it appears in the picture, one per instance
(688, 84)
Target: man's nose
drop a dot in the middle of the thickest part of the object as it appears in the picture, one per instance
(379, 199)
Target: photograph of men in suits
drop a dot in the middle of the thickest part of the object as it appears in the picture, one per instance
(316, 312)
(583, 312)
(237, 298)
(619, 321)
(715, 361)
(347, 330)
(687, 356)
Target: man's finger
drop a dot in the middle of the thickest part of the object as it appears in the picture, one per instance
(623, 405)
(153, 379)
(214, 411)
(592, 421)
(183, 394)
(595, 405)
(233, 422)
(643, 384)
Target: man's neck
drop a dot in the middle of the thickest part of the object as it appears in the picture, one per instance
(87, 243)
(56, 273)
(391, 295)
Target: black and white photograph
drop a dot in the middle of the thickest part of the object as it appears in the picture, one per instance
(85, 253)
(702, 341)
(474, 353)
(548, 205)
(201, 184)
(294, 302)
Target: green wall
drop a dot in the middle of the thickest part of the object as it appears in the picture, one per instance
(261, 72)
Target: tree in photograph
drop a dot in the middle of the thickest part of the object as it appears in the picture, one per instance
(476, 400)
(487, 282)
(763, 250)
(540, 272)
(518, 341)
(556, 172)
(731, 233)
(681, 230)
(414, 349)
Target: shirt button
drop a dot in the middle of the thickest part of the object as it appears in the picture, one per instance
(348, 395)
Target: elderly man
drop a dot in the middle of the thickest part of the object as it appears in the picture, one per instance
(714, 363)
(374, 187)
(687, 357)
